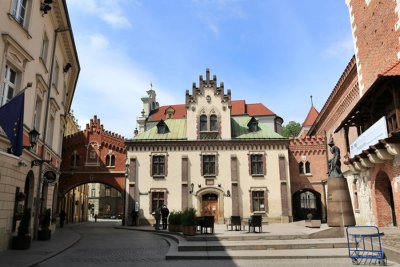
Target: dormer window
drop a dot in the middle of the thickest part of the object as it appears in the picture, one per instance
(162, 128)
(253, 125)
(203, 123)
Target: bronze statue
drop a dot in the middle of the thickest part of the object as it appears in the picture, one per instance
(334, 164)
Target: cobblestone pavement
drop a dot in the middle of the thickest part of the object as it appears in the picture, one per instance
(103, 245)
(391, 237)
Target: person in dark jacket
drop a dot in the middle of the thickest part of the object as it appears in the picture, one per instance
(164, 216)
(63, 214)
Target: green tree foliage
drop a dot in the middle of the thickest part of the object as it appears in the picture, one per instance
(292, 129)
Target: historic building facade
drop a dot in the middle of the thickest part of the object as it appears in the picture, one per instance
(219, 156)
(39, 58)
(93, 155)
(362, 114)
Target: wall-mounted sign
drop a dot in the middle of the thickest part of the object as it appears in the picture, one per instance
(370, 137)
(49, 177)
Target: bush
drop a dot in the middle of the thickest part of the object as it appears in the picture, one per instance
(175, 218)
(189, 217)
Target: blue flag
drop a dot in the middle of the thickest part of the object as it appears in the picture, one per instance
(12, 122)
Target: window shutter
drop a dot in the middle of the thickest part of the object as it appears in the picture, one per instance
(266, 200)
(151, 166)
(249, 157)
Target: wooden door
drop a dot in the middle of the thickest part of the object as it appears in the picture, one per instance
(209, 206)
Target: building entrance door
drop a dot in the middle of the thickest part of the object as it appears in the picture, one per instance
(209, 206)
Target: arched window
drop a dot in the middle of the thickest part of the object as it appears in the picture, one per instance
(112, 160)
(108, 160)
(162, 128)
(308, 167)
(308, 200)
(301, 167)
(213, 122)
(253, 125)
(203, 123)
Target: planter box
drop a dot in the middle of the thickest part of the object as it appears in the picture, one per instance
(175, 227)
(189, 230)
(44, 234)
(313, 223)
(21, 242)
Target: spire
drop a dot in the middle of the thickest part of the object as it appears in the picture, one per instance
(312, 104)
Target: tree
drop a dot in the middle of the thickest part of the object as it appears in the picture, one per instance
(292, 129)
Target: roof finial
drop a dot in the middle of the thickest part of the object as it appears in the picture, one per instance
(312, 104)
(151, 86)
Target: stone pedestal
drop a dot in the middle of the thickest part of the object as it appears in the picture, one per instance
(340, 210)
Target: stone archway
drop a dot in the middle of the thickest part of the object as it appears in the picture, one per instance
(29, 189)
(385, 211)
(306, 201)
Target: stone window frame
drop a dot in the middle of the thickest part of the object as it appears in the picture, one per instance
(165, 172)
(304, 167)
(110, 159)
(264, 163)
(264, 190)
(16, 11)
(207, 154)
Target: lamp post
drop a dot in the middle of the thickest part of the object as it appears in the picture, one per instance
(40, 184)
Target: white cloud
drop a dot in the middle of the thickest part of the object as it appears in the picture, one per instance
(111, 85)
(110, 11)
(340, 47)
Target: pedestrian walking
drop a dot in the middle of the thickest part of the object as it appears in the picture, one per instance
(164, 216)
(62, 215)
(95, 218)
(134, 217)
(157, 216)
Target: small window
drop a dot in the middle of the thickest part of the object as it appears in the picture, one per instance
(253, 125)
(162, 127)
(37, 115)
(301, 168)
(308, 168)
(19, 11)
(208, 165)
(74, 162)
(213, 123)
(93, 193)
(203, 123)
(9, 86)
(257, 164)
(157, 200)
(258, 200)
(308, 200)
(108, 191)
(45, 48)
(56, 74)
(158, 166)
(112, 163)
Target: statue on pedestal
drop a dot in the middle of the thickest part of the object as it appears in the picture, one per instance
(334, 164)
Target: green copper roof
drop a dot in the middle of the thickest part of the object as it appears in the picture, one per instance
(177, 130)
(240, 130)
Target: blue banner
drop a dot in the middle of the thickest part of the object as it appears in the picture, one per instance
(12, 122)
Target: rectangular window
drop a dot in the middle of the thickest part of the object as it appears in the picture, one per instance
(258, 201)
(9, 86)
(50, 131)
(157, 200)
(19, 11)
(93, 193)
(158, 167)
(44, 49)
(56, 74)
(256, 164)
(208, 164)
(108, 192)
(37, 113)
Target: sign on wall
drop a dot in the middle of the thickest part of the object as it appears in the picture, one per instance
(370, 137)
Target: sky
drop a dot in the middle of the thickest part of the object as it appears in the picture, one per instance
(275, 52)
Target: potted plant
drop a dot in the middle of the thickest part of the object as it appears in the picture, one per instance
(23, 238)
(45, 233)
(189, 221)
(175, 221)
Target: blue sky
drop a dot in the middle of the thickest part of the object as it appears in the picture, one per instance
(275, 52)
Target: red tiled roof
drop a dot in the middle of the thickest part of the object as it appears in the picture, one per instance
(311, 117)
(393, 70)
(159, 114)
(239, 107)
(258, 109)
